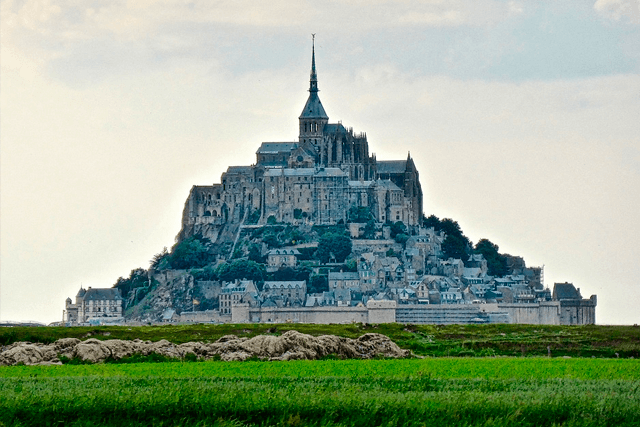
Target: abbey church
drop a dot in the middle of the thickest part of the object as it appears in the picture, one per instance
(315, 180)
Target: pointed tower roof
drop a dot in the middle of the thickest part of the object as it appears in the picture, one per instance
(313, 109)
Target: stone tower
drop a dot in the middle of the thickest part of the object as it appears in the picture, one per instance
(313, 117)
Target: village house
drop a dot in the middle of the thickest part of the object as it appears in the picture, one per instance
(240, 291)
(282, 258)
(99, 305)
(292, 293)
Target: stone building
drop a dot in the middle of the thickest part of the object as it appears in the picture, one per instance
(292, 293)
(95, 304)
(282, 258)
(315, 180)
(240, 291)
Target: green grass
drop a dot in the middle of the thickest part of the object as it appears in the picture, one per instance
(431, 340)
(442, 392)
(444, 368)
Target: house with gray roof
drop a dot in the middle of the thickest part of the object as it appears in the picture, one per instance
(282, 258)
(293, 293)
(96, 305)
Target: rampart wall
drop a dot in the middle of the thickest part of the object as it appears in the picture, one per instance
(579, 312)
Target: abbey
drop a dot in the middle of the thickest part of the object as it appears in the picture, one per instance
(316, 180)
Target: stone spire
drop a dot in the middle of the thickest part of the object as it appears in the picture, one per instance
(313, 109)
(313, 81)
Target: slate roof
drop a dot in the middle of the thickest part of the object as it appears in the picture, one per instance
(391, 166)
(334, 128)
(354, 184)
(289, 172)
(471, 272)
(313, 301)
(269, 303)
(347, 275)
(276, 147)
(565, 291)
(330, 172)
(284, 251)
(239, 169)
(102, 294)
(389, 185)
(283, 285)
(313, 109)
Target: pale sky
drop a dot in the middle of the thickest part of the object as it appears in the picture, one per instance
(523, 118)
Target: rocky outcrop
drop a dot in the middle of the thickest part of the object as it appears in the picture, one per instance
(172, 289)
(291, 345)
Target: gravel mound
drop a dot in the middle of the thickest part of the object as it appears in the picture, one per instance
(291, 345)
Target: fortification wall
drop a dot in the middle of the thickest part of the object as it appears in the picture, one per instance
(322, 315)
(381, 311)
(544, 313)
(206, 316)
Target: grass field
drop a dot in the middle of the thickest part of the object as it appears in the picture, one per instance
(427, 340)
(433, 391)
(598, 386)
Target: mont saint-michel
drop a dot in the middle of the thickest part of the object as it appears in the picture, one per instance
(319, 230)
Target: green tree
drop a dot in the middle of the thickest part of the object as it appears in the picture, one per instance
(456, 244)
(241, 269)
(455, 247)
(397, 227)
(431, 221)
(192, 252)
(138, 278)
(402, 238)
(207, 273)
(317, 284)
(333, 246)
(160, 260)
(271, 239)
(359, 214)
(351, 265)
(496, 262)
(255, 254)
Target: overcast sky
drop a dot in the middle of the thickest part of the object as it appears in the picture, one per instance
(523, 118)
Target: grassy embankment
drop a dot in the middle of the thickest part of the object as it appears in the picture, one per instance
(428, 340)
(442, 391)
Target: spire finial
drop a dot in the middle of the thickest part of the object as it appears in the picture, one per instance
(313, 82)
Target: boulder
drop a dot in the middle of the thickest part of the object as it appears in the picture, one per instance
(92, 350)
(292, 345)
(22, 353)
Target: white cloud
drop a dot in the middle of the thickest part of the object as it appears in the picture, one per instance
(618, 10)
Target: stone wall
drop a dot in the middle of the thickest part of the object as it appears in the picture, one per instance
(322, 315)
(580, 312)
(206, 316)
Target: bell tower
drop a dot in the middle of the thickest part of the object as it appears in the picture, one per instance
(313, 117)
